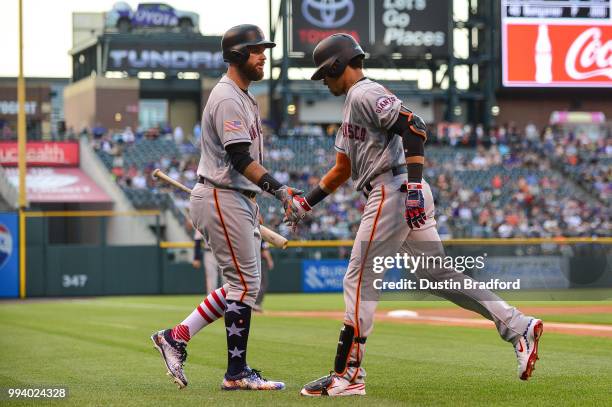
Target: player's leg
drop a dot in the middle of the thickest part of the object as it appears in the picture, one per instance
(513, 326)
(172, 343)
(234, 236)
(211, 268)
(210, 309)
(207, 312)
(263, 287)
(381, 233)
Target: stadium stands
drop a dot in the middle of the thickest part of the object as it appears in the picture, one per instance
(585, 159)
(514, 187)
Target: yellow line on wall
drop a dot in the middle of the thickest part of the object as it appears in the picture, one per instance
(22, 254)
(490, 242)
(88, 214)
(176, 245)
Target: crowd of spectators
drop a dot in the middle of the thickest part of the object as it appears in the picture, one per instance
(586, 158)
(503, 183)
(536, 203)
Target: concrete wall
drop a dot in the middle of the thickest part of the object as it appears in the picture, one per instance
(98, 100)
(117, 99)
(80, 104)
(183, 112)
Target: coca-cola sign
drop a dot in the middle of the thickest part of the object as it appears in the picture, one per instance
(551, 55)
(589, 56)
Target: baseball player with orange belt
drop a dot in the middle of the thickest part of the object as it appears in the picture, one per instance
(380, 145)
(223, 208)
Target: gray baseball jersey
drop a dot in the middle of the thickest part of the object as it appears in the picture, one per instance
(231, 116)
(369, 111)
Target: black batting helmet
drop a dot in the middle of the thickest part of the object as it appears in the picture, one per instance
(332, 55)
(237, 39)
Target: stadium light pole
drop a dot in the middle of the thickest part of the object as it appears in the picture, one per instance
(21, 145)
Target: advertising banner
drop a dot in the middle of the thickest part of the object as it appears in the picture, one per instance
(382, 27)
(9, 255)
(314, 20)
(411, 28)
(59, 185)
(556, 44)
(41, 154)
(323, 275)
(164, 57)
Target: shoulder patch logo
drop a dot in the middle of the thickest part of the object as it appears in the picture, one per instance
(232, 125)
(384, 103)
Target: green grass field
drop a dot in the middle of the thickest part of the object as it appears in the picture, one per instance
(100, 349)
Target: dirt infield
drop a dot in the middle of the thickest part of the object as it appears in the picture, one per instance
(464, 318)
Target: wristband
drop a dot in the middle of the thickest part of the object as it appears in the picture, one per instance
(303, 203)
(415, 173)
(410, 186)
(315, 196)
(268, 183)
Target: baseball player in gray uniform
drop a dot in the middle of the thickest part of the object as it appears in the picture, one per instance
(380, 145)
(223, 205)
(211, 268)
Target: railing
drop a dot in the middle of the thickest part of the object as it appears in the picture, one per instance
(491, 241)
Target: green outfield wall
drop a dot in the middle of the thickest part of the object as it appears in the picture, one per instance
(55, 268)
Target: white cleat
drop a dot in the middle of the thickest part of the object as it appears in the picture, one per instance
(526, 348)
(334, 386)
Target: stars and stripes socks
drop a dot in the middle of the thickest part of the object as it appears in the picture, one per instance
(211, 309)
(237, 324)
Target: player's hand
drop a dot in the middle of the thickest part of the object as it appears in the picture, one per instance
(285, 194)
(415, 205)
(196, 264)
(299, 208)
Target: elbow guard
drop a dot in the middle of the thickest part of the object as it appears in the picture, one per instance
(408, 122)
(413, 132)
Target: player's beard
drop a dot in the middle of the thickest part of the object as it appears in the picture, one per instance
(252, 73)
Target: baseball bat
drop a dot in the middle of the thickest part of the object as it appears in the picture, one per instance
(268, 235)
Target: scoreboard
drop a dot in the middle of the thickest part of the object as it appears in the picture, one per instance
(565, 9)
(556, 43)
